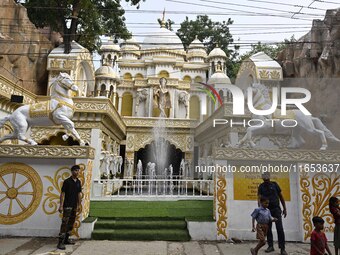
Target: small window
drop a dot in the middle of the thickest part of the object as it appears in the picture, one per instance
(127, 76)
(187, 78)
(198, 79)
(139, 76)
(163, 74)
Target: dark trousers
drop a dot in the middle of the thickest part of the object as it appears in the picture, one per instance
(276, 213)
(67, 222)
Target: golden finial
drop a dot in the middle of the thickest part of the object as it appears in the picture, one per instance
(163, 19)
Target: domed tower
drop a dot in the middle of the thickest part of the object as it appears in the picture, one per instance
(218, 79)
(217, 59)
(130, 49)
(196, 52)
(106, 75)
(109, 52)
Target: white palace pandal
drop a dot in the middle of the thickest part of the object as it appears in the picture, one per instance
(117, 112)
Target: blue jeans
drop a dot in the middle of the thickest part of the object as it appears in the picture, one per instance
(276, 213)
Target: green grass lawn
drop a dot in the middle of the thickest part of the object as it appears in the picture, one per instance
(196, 210)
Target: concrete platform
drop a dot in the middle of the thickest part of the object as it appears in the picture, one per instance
(47, 246)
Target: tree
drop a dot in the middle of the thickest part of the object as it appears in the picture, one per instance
(271, 50)
(81, 20)
(168, 24)
(211, 33)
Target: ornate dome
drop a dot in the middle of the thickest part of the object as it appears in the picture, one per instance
(163, 39)
(195, 44)
(132, 40)
(218, 78)
(109, 46)
(196, 50)
(130, 46)
(217, 52)
(105, 72)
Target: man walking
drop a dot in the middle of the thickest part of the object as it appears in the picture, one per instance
(70, 201)
(272, 191)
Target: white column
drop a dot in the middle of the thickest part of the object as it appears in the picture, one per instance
(134, 105)
(120, 99)
(189, 110)
(96, 143)
(201, 109)
(150, 102)
(173, 104)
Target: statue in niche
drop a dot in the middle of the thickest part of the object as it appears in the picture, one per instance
(219, 67)
(129, 168)
(183, 99)
(142, 96)
(161, 97)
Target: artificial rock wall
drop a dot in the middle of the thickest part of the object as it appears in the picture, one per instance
(23, 49)
(314, 63)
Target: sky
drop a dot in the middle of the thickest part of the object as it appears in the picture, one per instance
(267, 21)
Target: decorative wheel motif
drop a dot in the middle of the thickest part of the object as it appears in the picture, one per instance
(20, 192)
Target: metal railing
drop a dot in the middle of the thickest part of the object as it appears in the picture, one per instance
(153, 188)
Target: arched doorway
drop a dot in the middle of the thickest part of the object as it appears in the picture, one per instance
(195, 108)
(171, 155)
(58, 140)
(127, 104)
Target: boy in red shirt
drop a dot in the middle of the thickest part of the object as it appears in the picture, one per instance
(335, 210)
(318, 238)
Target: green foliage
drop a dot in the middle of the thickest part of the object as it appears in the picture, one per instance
(88, 19)
(168, 24)
(271, 50)
(211, 33)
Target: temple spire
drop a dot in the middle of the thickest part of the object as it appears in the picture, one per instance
(163, 19)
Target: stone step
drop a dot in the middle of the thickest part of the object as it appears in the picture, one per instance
(141, 234)
(140, 224)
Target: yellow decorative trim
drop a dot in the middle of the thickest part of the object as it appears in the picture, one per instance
(8, 88)
(33, 188)
(214, 201)
(63, 103)
(306, 206)
(264, 74)
(51, 202)
(275, 75)
(222, 205)
(5, 130)
(290, 115)
(151, 122)
(42, 109)
(55, 63)
(87, 190)
(69, 64)
(29, 151)
(316, 156)
(315, 196)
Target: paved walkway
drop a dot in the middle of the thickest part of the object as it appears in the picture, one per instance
(47, 246)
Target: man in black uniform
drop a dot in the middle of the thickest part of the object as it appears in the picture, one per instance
(70, 201)
(272, 191)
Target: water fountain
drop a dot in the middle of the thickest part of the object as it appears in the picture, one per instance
(171, 186)
(139, 176)
(160, 146)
